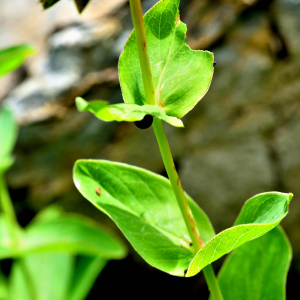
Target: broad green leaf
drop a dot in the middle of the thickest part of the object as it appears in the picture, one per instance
(143, 206)
(8, 136)
(181, 76)
(257, 270)
(124, 112)
(259, 215)
(85, 274)
(48, 3)
(50, 275)
(69, 233)
(81, 4)
(13, 57)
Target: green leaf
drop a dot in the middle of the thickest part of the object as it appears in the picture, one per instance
(8, 137)
(124, 112)
(259, 215)
(143, 206)
(181, 76)
(257, 270)
(13, 57)
(50, 274)
(69, 233)
(81, 4)
(85, 274)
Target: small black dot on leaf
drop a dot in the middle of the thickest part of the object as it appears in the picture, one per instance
(145, 123)
(214, 63)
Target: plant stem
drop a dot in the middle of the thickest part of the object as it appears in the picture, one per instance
(176, 184)
(140, 32)
(9, 213)
(13, 229)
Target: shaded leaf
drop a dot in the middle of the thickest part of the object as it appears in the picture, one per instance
(70, 233)
(85, 274)
(81, 4)
(8, 136)
(3, 287)
(143, 206)
(124, 112)
(50, 274)
(259, 215)
(48, 3)
(13, 57)
(181, 76)
(258, 269)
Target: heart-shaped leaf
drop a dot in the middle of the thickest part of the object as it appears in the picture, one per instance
(81, 4)
(124, 112)
(85, 273)
(144, 207)
(8, 136)
(13, 57)
(258, 269)
(181, 76)
(259, 215)
(50, 275)
(69, 233)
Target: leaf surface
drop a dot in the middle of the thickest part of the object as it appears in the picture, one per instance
(50, 274)
(259, 215)
(86, 272)
(258, 269)
(69, 233)
(13, 57)
(143, 206)
(124, 112)
(8, 136)
(181, 76)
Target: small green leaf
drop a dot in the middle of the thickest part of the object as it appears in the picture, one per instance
(259, 215)
(13, 57)
(8, 137)
(124, 112)
(86, 272)
(144, 207)
(48, 3)
(181, 76)
(81, 4)
(69, 233)
(50, 274)
(257, 270)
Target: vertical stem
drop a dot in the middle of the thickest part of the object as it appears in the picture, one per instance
(9, 213)
(13, 228)
(176, 184)
(140, 33)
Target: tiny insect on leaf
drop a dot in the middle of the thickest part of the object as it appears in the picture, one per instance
(98, 191)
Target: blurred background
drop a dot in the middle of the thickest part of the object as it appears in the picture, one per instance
(243, 138)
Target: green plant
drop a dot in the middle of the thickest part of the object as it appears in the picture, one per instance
(163, 79)
(58, 249)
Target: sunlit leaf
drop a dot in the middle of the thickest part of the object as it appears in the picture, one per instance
(13, 57)
(144, 207)
(181, 76)
(259, 215)
(124, 112)
(258, 269)
(85, 273)
(8, 136)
